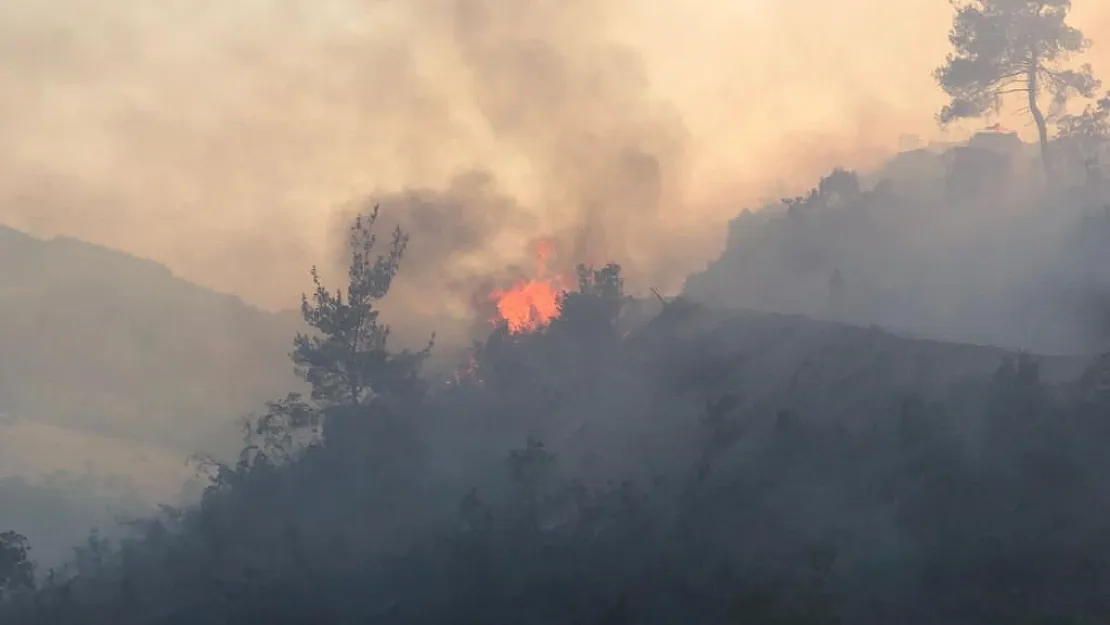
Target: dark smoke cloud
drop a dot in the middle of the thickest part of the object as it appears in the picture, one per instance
(608, 157)
(453, 231)
(599, 161)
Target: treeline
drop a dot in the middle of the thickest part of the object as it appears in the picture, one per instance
(577, 475)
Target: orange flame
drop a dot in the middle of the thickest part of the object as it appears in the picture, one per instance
(531, 304)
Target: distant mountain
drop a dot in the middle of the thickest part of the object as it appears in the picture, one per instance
(117, 347)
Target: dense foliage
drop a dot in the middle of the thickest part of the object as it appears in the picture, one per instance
(588, 474)
(1004, 47)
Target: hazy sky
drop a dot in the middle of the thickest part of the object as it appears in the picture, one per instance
(227, 137)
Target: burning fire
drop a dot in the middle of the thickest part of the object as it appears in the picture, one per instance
(531, 304)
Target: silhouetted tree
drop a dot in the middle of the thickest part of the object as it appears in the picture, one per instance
(1084, 135)
(840, 187)
(348, 361)
(1004, 47)
(597, 304)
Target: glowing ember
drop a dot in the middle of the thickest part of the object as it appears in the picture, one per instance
(531, 304)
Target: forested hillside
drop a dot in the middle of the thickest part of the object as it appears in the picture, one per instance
(707, 466)
(614, 460)
(887, 402)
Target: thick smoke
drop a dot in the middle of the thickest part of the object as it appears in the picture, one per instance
(228, 139)
(595, 164)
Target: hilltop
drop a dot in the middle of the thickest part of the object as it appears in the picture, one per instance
(959, 243)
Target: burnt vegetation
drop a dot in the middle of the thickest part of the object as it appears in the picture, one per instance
(679, 460)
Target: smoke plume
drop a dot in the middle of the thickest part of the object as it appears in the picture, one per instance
(232, 140)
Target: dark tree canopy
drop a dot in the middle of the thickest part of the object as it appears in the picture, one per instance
(346, 356)
(1085, 135)
(347, 360)
(1004, 47)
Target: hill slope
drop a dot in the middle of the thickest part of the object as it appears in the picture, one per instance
(960, 246)
(115, 346)
(703, 466)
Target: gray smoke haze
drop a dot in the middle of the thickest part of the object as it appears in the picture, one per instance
(231, 140)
